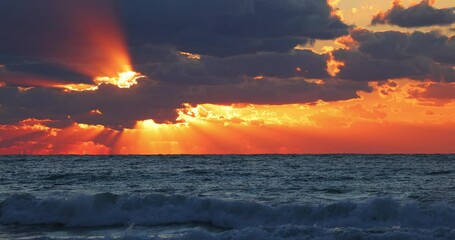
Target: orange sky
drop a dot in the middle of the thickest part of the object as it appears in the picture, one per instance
(398, 116)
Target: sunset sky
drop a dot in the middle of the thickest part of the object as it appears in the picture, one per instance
(227, 76)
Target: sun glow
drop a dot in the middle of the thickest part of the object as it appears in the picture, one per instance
(77, 87)
(105, 57)
(98, 27)
(123, 80)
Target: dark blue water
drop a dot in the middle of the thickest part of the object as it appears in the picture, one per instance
(228, 197)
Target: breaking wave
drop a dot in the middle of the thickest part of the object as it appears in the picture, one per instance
(107, 209)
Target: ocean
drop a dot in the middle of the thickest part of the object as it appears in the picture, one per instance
(228, 197)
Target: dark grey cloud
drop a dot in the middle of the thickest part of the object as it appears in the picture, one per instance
(419, 15)
(225, 81)
(45, 70)
(209, 27)
(51, 39)
(389, 55)
(399, 45)
(226, 28)
(362, 67)
(436, 92)
(238, 40)
(122, 107)
(215, 70)
(46, 28)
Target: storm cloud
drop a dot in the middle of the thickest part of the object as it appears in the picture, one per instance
(419, 15)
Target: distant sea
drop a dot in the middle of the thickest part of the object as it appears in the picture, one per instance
(228, 197)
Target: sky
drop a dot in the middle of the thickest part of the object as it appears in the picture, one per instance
(227, 76)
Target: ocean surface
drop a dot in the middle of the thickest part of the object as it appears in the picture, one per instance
(228, 197)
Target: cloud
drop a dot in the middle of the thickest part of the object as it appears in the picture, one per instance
(399, 45)
(378, 56)
(227, 28)
(434, 94)
(22, 138)
(208, 27)
(46, 70)
(419, 15)
(246, 49)
(215, 70)
(120, 108)
(359, 66)
(173, 79)
(245, 55)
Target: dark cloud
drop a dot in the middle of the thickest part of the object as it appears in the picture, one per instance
(441, 92)
(399, 46)
(209, 27)
(362, 67)
(214, 70)
(246, 56)
(389, 55)
(49, 71)
(122, 107)
(52, 39)
(238, 40)
(419, 15)
(47, 28)
(269, 91)
(226, 28)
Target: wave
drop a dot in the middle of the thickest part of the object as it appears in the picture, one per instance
(107, 209)
(440, 172)
(284, 232)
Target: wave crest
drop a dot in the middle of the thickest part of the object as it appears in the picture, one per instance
(108, 209)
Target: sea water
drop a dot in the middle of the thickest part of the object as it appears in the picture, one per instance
(228, 197)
